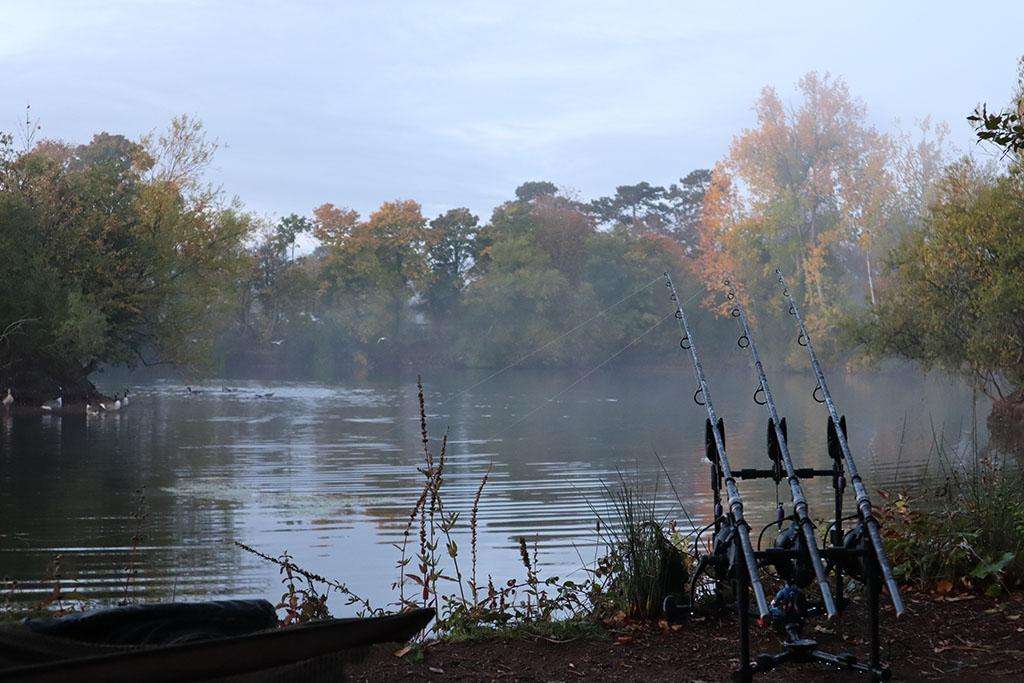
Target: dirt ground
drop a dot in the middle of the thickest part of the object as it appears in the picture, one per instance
(958, 638)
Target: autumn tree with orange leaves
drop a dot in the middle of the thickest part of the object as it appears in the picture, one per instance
(373, 268)
(817, 190)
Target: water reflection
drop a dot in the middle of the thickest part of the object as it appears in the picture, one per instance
(329, 472)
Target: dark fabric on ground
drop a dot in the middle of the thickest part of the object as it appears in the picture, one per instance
(162, 624)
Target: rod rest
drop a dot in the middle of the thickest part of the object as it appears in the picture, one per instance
(801, 472)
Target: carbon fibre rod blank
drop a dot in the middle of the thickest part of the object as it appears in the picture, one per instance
(863, 501)
(735, 500)
(796, 491)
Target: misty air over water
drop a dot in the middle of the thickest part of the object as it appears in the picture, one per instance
(603, 332)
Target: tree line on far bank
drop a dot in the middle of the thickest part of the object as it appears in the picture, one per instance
(121, 255)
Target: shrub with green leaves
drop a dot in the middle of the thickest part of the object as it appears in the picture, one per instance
(966, 534)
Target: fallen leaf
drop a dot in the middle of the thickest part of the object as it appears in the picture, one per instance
(434, 669)
(404, 651)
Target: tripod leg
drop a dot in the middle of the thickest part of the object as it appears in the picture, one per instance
(874, 589)
(744, 673)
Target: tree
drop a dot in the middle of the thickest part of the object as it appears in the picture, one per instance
(1003, 128)
(562, 229)
(956, 293)
(685, 201)
(288, 230)
(119, 259)
(813, 189)
(645, 208)
(373, 269)
(642, 208)
(535, 189)
(452, 237)
(333, 225)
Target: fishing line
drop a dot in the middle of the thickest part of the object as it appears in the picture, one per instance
(587, 374)
(560, 337)
(599, 365)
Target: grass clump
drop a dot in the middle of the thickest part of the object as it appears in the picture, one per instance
(645, 563)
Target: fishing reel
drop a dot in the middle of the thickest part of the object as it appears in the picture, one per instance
(724, 553)
(713, 572)
(793, 567)
(860, 561)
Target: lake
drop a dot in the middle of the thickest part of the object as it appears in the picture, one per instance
(328, 472)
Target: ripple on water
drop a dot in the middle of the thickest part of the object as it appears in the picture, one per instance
(329, 473)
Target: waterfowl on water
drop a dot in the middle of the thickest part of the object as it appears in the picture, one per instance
(124, 401)
(8, 400)
(190, 391)
(90, 409)
(115, 405)
(55, 404)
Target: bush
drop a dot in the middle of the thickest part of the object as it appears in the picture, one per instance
(966, 533)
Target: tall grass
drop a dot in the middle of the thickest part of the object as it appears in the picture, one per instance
(645, 562)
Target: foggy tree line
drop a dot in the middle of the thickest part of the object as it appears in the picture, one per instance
(123, 255)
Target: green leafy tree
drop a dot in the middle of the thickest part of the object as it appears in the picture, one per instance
(119, 258)
(642, 208)
(955, 297)
(535, 189)
(645, 208)
(1003, 128)
(452, 237)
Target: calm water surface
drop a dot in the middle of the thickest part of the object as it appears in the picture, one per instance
(328, 472)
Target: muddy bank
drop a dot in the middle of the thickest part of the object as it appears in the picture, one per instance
(970, 638)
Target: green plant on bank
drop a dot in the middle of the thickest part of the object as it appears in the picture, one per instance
(644, 562)
(966, 533)
(56, 601)
(307, 601)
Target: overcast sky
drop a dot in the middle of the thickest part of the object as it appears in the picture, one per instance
(456, 104)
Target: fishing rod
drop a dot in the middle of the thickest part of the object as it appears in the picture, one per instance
(863, 501)
(741, 527)
(796, 490)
